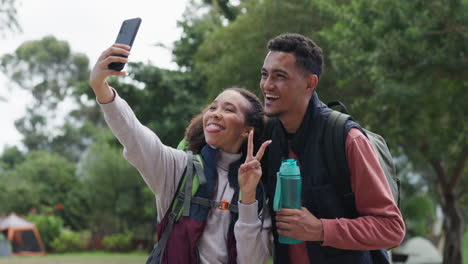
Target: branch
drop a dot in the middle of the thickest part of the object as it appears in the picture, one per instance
(439, 171)
(462, 192)
(454, 29)
(457, 173)
(456, 75)
(451, 27)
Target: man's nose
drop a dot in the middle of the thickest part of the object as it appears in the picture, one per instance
(267, 83)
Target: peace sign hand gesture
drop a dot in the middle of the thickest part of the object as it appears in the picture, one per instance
(251, 171)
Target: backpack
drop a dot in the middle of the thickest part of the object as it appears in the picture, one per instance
(185, 195)
(335, 153)
(193, 177)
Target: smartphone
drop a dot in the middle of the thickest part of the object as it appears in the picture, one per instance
(126, 36)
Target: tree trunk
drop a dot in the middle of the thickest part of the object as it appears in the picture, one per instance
(453, 228)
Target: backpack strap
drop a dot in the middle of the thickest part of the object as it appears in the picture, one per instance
(223, 205)
(180, 205)
(178, 202)
(343, 108)
(335, 152)
(156, 254)
(188, 184)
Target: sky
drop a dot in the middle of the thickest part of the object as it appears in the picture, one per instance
(90, 27)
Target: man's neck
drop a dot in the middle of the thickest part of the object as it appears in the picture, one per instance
(293, 121)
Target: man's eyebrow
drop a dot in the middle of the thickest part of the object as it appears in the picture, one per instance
(280, 70)
(276, 70)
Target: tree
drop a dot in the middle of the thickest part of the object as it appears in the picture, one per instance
(407, 60)
(233, 55)
(8, 14)
(11, 156)
(48, 69)
(41, 181)
(116, 191)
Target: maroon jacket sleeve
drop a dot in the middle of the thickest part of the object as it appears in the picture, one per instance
(380, 224)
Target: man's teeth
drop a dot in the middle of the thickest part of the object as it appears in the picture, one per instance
(268, 96)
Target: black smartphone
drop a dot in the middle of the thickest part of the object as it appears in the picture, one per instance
(126, 36)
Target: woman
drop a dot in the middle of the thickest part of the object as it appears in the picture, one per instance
(223, 136)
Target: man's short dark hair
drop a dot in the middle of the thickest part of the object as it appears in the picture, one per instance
(308, 54)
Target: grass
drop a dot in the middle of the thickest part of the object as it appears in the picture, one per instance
(80, 258)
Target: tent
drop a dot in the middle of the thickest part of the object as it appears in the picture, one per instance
(23, 236)
(420, 251)
(5, 249)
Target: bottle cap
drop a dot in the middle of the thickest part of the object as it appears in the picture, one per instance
(289, 167)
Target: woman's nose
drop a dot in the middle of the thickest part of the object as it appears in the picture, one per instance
(216, 114)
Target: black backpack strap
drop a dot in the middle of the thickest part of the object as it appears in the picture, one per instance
(335, 151)
(182, 197)
(156, 254)
(223, 205)
(343, 108)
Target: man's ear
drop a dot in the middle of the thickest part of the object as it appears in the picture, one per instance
(312, 81)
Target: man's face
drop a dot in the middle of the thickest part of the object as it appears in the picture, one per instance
(284, 86)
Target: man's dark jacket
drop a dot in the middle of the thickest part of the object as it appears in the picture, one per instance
(319, 195)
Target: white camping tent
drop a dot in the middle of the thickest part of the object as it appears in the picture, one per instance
(420, 251)
(23, 235)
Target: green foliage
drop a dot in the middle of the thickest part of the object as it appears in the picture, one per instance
(49, 226)
(118, 242)
(8, 16)
(70, 241)
(465, 248)
(195, 28)
(48, 69)
(43, 181)
(115, 192)
(167, 102)
(51, 175)
(406, 67)
(233, 55)
(406, 63)
(11, 156)
(419, 214)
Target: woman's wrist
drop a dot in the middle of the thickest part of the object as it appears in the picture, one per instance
(104, 94)
(248, 197)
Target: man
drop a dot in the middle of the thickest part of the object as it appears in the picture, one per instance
(335, 228)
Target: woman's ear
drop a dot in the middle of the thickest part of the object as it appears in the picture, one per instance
(246, 132)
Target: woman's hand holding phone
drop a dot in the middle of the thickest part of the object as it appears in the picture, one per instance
(100, 72)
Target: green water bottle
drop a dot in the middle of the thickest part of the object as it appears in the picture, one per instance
(288, 192)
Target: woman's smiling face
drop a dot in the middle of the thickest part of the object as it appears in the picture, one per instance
(224, 122)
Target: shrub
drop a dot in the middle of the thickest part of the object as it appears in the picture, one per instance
(49, 227)
(419, 213)
(71, 241)
(118, 242)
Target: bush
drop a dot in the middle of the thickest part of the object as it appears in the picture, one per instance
(419, 214)
(118, 242)
(49, 227)
(71, 241)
